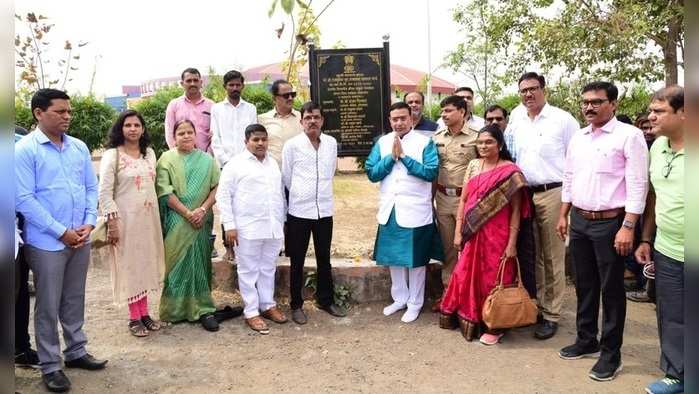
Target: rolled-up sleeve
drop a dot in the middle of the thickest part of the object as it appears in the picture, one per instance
(224, 197)
(91, 189)
(636, 173)
(567, 189)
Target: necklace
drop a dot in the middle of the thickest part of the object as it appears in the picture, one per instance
(481, 193)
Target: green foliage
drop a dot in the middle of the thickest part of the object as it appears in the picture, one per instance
(23, 115)
(618, 40)
(153, 111)
(91, 120)
(342, 294)
(635, 102)
(259, 96)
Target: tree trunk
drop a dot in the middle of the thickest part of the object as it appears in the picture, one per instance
(670, 53)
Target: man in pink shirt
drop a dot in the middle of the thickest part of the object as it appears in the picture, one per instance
(193, 106)
(605, 182)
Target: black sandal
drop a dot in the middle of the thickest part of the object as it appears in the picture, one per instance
(150, 324)
(137, 329)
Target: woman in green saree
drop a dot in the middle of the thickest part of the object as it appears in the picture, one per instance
(186, 181)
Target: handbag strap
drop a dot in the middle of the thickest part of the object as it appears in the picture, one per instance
(501, 271)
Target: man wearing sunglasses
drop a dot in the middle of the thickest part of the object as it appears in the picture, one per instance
(665, 213)
(282, 122)
(605, 182)
(541, 133)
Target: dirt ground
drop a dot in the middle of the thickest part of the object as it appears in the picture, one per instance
(364, 352)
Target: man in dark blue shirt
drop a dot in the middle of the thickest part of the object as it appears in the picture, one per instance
(416, 102)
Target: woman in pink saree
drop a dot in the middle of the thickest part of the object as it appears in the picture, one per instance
(487, 225)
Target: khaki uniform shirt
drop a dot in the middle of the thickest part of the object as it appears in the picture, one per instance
(279, 130)
(455, 152)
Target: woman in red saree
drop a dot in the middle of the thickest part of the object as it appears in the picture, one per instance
(487, 224)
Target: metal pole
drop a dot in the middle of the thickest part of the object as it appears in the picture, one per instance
(429, 58)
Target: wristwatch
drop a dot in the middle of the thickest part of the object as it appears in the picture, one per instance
(628, 224)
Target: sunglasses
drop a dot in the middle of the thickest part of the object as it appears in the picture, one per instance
(668, 165)
(287, 95)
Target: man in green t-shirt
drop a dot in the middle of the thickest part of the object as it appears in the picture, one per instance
(665, 213)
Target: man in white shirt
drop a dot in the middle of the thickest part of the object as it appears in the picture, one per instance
(309, 161)
(250, 197)
(229, 118)
(541, 136)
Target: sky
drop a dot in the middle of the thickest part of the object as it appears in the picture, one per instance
(133, 41)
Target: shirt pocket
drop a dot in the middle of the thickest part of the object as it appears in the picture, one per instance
(609, 160)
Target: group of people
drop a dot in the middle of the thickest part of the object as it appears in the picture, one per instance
(469, 192)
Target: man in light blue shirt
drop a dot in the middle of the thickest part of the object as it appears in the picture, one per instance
(56, 192)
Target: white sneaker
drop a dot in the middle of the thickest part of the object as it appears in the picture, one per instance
(393, 308)
(410, 315)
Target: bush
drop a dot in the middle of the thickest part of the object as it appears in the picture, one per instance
(91, 121)
(23, 115)
(153, 111)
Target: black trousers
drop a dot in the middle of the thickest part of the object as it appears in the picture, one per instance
(669, 278)
(598, 269)
(526, 253)
(21, 304)
(299, 232)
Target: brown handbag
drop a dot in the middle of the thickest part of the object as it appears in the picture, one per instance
(509, 306)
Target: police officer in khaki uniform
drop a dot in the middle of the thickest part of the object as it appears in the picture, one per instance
(456, 144)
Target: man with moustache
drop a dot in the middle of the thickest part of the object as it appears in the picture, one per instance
(309, 161)
(498, 115)
(282, 122)
(56, 193)
(229, 118)
(664, 212)
(605, 182)
(191, 105)
(250, 198)
(473, 121)
(541, 137)
(416, 102)
(405, 163)
(456, 145)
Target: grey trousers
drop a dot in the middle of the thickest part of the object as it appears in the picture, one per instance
(59, 278)
(669, 293)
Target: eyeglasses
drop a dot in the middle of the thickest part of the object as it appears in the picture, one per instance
(495, 119)
(594, 103)
(287, 95)
(668, 164)
(531, 90)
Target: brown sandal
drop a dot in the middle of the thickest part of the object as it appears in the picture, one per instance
(448, 322)
(150, 324)
(468, 330)
(137, 329)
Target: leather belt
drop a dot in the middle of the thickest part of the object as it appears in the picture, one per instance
(545, 187)
(449, 191)
(601, 215)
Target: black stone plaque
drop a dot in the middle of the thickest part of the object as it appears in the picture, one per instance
(352, 87)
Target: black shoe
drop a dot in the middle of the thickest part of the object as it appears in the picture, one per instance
(209, 322)
(27, 359)
(334, 310)
(298, 316)
(228, 312)
(87, 362)
(604, 371)
(546, 330)
(638, 296)
(56, 382)
(575, 352)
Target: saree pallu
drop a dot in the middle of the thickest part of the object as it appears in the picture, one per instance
(486, 231)
(187, 285)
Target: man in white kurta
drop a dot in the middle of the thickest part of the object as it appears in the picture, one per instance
(251, 200)
(405, 162)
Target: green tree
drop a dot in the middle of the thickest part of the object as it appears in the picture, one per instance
(301, 34)
(619, 40)
(153, 111)
(91, 120)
